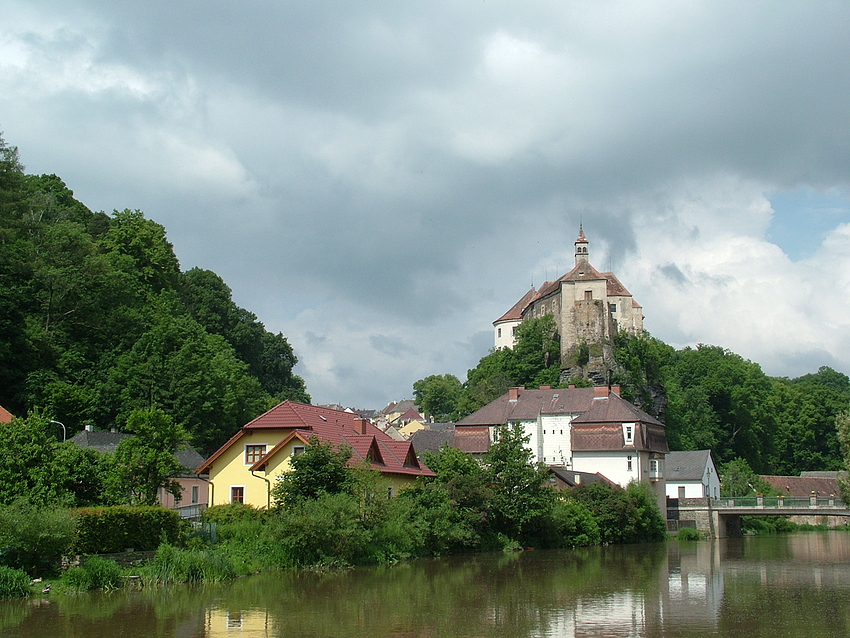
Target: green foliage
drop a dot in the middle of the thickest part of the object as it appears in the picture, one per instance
(519, 492)
(842, 426)
(230, 513)
(145, 462)
(320, 469)
(98, 320)
(574, 524)
(106, 530)
(688, 534)
(14, 583)
(438, 395)
(175, 565)
(27, 461)
(95, 573)
(738, 479)
(628, 515)
(32, 537)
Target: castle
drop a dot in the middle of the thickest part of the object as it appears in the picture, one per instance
(589, 308)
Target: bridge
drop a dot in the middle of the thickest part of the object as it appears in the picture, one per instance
(721, 517)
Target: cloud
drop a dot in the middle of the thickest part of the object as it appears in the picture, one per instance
(381, 181)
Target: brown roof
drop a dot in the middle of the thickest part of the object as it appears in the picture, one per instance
(515, 313)
(5, 415)
(597, 424)
(802, 485)
(583, 271)
(614, 409)
(473, 440)
(336, 427)
(529, 404)
(615, 288)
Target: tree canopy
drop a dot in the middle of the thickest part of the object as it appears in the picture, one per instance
(98, 320)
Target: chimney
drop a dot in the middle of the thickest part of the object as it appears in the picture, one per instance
(615, 389)
(600, 391)
(360, 425)
(572, 386)
(513, 394)
(577, 478)
(89, 428)
(545, 387)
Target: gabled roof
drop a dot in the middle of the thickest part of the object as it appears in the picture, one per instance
(583, 271)
(472, 440)
(103, 442)
(334, 426)
(802, 485)
(529, 404)
(430, 440)
(515, 313)
(5, 415)
(614, 409)
(688, 465)
(573, 478)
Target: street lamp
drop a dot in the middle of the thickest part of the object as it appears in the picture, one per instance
(64, 431)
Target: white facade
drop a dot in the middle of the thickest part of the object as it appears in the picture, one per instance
(503, 333)
(689, 484)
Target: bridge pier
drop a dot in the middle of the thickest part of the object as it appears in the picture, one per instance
(726, 525)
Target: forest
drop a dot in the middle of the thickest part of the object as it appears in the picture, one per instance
(98, 321)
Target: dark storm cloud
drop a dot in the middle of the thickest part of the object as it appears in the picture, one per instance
(383, 178)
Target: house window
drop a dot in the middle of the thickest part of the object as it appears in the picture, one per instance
(612, 307)
(588, 295)
(194, 494)
(254, 453)
(237, 494)
(297, 450)
(513, 330)
(628, 464)
(628, 433)
(499, 332)
(653, 466)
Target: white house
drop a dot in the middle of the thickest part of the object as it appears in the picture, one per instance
(583, 429)
(692, 474)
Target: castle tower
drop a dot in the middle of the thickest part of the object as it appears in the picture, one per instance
(581, 246)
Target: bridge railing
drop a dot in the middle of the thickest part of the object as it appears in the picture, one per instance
(780, 502)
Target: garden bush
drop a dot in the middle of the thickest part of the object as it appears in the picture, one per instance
(688, 534)
(106, 530)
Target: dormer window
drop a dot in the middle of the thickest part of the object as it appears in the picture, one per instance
(629, 433)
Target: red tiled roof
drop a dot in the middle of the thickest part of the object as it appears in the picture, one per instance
(583, 271)
(802, 485)
(614, 409)
(336, 427)
(515, 313)
(5, 415)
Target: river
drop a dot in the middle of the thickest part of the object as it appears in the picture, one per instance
(797, 585)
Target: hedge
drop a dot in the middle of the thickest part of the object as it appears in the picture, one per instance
(107, 530)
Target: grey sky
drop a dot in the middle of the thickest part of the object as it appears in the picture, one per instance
(381, 180)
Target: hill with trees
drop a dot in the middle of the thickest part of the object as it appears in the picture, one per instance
(707, 396)
(98, 320)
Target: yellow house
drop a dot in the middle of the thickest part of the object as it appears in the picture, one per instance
(244, 469)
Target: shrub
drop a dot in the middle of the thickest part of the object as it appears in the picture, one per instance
(174, 565)
(94, 573)
(105, 530)
(32, 537)
(14, 583)
(624, 516)
(688, 534)
(575, 524)
(230, 513)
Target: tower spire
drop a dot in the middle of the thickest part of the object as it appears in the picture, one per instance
(581, 245)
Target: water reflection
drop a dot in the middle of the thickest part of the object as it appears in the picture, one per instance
(784, 586)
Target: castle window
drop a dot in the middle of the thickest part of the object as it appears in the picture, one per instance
(588, 295)
(499, 332)
(612, 307)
